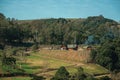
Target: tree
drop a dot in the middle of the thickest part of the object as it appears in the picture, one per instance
(38, 78)
(9, 61)
(93, 54)
(61, 74)
(108, 55)
(105, 78)
(80, 75)
(90, 78)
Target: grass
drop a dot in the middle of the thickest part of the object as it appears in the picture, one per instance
(21, 78)
(46, 63)
(1, 71)
(94, 69)
(16, 78)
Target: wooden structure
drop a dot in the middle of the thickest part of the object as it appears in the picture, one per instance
(72, 47)
(69, 47)
(63, 47)
(89, 47)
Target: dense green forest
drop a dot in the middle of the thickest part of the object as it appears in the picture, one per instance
(93, 30)
(108, 55)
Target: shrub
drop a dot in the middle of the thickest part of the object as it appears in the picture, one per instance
(61, 74)
(38, 78)
(105, 78)
(35, 47)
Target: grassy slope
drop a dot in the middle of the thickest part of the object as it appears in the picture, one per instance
(43, 63)
(16, 78)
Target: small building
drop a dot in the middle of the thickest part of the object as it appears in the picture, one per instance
(89, 47)
(72, 47)
(69, 47)
(63, 47)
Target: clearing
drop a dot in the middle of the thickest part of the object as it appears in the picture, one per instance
(46, 62)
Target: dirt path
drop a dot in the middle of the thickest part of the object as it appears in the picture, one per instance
(52, 69)
(102, 75)
(52, 54)
(76, 56)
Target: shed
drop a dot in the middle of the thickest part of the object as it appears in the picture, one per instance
(63, 47)
(72, 47)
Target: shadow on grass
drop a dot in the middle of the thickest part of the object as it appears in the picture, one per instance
(101, 74)
(33, 76)
(23, 63)
(16, 44)
(32, 67)
(15, 74)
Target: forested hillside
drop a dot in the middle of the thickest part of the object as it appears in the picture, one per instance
(93, 30)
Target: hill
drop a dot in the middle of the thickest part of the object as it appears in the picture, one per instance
(92, 30)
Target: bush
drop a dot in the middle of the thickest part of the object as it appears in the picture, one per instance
(61, 74)
(93, 55)
(38, 78)
(105, 78)
(80, 75)
(108, 55)
(91, 78)
(35, 47)
(9, 61)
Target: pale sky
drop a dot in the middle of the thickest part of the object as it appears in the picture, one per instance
(37, 9)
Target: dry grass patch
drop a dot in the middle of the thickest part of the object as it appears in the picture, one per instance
(67, 55)
(46, 62)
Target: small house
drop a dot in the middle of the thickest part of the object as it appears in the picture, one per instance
(72, 47)
(89, 47)
(63, 47)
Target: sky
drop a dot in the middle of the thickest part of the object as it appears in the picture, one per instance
(37, 9)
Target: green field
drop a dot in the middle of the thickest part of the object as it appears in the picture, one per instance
(43, 64)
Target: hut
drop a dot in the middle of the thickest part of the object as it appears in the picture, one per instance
(72, 47)
(89, 47)
(63, 47)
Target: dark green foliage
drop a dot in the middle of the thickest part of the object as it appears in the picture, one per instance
(93, 55)
(105, 78)
(11, 32)
(1, 55)
(80, 75)
(9, 61)
(38, 78)
(108, 55)
(2, 16)
(9, 64)
(56, 31)
(35, 47)
(61, 74)
(93, 30)
(90, 78)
